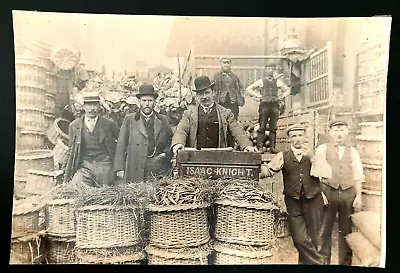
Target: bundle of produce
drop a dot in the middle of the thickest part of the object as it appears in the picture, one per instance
(251, 131)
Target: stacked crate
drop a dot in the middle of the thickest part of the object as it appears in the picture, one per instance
(370, 147)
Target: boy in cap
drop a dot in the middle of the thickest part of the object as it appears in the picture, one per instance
(303, 198)
(269, 92)
(92, 142)
(340, 170)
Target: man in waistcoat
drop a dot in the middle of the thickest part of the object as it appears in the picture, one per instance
(341, 172)
(269, 92)
(303, 197)
(144, 143)
(206, 124)
(92, 142)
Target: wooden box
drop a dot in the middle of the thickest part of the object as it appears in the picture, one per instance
(215, 164)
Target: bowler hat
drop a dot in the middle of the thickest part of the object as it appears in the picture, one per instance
(336, 122)
(295, 127)
(146, 90)
(91, 97)
(202, 83)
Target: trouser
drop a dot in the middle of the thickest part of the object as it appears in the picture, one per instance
(235, 110)
(304, 219)
(268, 113)
(95, 174)
(340, 201)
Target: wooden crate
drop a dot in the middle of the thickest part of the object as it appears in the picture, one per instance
(218, 164)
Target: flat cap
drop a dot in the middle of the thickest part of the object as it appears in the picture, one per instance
(336, 122)
(225, 59)
(295, 127)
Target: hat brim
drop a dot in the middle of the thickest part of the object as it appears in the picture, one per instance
(86, 101)
(141, 95)
(341, 123)
(204, 88)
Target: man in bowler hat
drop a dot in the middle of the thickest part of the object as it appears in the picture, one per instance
(303, 197)
(206, 124)
(92, 143)
(339, 168)
(143, 150)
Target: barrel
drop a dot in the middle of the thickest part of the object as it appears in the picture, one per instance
(31, 119)
(29, 95)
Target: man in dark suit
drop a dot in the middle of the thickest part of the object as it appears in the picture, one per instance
(92, 143)
(143, 149)
(303, 197)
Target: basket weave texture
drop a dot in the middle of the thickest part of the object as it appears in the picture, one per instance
(27, 251)
(192, 256)
(179, 226)
(24, 223)
(60, 250)
(19, 186)
(249, 224)
(39, 182)
(60, 217)
(39, 160)
(58, 130)
(31, 140)
(105, 226)
(115, 255)
(227, 254)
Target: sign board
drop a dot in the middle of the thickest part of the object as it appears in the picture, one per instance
(219, 164)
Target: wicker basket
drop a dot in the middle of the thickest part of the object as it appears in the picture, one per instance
(372, 129)
(60, 152)
(31, 119)
(230, 254)
(50, 103)
(58, 130)
(114, 255)
(40, 182)
(27, 250)
(370, 149)
(19, 187)
(51, 83)
(60, 217)
(105, 226)
(281, 226)
(30, 96)
(176, 256)
(60, 250)
(373, 177)
(179, 226)
(30, 70)
(245, 223)
(30, 140)
(41, 160)
(25, 222)
(49, 118)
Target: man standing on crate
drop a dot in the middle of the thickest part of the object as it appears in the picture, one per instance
(92, 142)
(303, 196)
(340, 170)
(229, 91)
(270, 92)
(143, 149)
(206, 125)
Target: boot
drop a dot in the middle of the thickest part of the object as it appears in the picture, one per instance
(260, 141)
(272, 142)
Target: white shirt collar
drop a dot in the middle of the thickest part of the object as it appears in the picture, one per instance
(207, 107)
(296, 151)
(147, 116)
(91, 119)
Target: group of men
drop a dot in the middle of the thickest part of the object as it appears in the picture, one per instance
(316, 187)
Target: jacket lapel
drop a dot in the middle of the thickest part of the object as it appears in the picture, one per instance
(157, 126)
(222, 125)
(142, 128)
(195, 124)
(102, 133)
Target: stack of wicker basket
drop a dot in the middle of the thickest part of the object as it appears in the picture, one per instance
(108, 234)
(26, 238)
(244, 231)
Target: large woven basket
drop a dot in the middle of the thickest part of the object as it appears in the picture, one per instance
(179, 226)
(19, 186)
(60, 250)
(178, 256)
(60, 217)
(27, 250)
(50, 118)
(231, 254)
(58, 130)
(31, 119)
(373, 177)
(40, 160)
(114, 255)
(29, 70)
(30, 96)
(40, 182)
(60, 152)
(30, 140)
(25, 221)
(106, 226)
(50, 102)
(372, 129)
(245, 223)
(370, 149)
(51, 83)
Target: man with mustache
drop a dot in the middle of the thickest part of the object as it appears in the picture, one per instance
(303, 197)
(143, 150)
(206, 124)
(340, 170)
(92, 142)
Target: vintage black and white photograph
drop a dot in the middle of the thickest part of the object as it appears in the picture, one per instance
(195, 140)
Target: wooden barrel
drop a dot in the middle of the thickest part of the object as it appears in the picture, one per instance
(30, 95)
(58, 130)
(50, 105)
(37, 160)
(31, 140)
(31, 119)
(60, 152)
(28, 69)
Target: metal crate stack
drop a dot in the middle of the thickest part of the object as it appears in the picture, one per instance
(370, 146)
